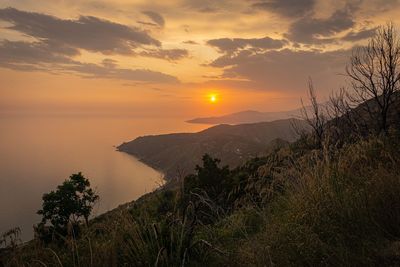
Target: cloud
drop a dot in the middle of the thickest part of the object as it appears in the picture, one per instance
(229, 45)
(155, 17)
(89, 70)
(360, 35)
(311, 30)
(87, 32)
(265, 63)
(207, 6)
(21, 55)
(287, 8)
(59, 41)
(40, 56)
(190, 42)
(167, 54)
(145, 23)
(109, 63)
(284, 70)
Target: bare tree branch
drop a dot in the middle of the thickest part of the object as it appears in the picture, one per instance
(315, 118)
(375, 76)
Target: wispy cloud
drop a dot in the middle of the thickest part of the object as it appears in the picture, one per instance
(40, 56)
(87, 32)
(230, 45)
(283, 69)
(321, 30)
(287, 8)
(167, 54)
(155, 17)
(60, 41)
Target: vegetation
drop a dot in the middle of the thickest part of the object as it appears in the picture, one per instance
(324, 200)
(66, 207)
(374, 71)
(232, 144)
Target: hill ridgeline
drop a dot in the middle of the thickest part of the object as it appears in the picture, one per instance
(179, 153)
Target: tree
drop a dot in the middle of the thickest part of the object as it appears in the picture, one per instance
(205, 194)
(314, 117)
(71, 202)
(374, 72)
(210, 178)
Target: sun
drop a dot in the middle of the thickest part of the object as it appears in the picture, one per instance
(213, 98)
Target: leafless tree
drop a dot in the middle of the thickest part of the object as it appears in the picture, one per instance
(314, 115)
(374, 72)
(338, 105)
(342, 117)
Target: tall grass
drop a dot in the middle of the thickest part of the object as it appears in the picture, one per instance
(343, 210)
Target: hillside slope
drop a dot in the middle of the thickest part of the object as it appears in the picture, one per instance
(233, 144)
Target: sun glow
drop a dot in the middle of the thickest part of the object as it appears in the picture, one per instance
(213, 98)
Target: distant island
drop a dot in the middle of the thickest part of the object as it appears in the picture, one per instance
(248, 116)
(179, 153)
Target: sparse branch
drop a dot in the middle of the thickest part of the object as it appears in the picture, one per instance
(374, 75)
(314, 117)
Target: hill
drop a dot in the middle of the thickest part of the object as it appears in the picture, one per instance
(233, 144)
(248, 116)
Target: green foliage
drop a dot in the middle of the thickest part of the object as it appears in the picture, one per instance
(72, 201)
(168, 242)
(210, 177)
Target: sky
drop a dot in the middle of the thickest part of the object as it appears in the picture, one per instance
(167, 58)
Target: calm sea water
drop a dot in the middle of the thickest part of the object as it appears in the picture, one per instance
(39, 152)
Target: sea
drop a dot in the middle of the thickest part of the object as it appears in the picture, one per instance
(38, 152)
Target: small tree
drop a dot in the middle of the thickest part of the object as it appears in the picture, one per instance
(70, 203)
(210, 177)
(374, 72)
(314, 116)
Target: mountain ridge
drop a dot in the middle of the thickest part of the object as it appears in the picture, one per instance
(247, 116)
(176, 153)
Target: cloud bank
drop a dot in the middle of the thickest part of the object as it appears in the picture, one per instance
(59, 41)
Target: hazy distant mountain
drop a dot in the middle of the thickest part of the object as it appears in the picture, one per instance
(248, 116)
(233, 144)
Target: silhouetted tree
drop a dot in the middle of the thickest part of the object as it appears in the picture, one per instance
(209, 177)
(375, 75)
(314, 116)
(71, 202)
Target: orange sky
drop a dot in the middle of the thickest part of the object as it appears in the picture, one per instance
(165, 58)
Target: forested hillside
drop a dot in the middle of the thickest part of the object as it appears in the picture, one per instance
(233, 144)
